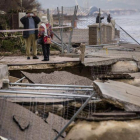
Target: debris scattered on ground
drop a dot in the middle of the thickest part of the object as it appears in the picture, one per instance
(38, 129)
(21, 122)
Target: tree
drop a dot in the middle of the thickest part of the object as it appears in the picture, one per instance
(8, 5)
(30, 4)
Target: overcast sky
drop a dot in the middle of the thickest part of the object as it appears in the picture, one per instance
(104, 4)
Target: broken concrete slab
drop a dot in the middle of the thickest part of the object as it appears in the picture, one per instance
(21, 122)
(124, 95)
(134, 82)
(57, 124)
(132, 79)
(125, 67)
(38, 130)
(57, 77)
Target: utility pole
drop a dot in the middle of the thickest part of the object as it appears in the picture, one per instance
(21, 2)
(100, 26)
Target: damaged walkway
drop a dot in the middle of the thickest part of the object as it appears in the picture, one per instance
(124, 95)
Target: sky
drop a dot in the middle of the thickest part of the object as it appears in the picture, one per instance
(104, 4)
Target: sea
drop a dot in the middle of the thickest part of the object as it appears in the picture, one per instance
(130, 23)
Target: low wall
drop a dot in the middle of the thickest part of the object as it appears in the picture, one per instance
(107, 34)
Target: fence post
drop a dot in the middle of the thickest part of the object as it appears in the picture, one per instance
(73, 20)
(100, 26)
(62, 15)
(82, 55)
(48, 15)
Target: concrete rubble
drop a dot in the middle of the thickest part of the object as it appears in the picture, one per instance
(37, 130)
(124, 95)
(21, 122)
(58, 77)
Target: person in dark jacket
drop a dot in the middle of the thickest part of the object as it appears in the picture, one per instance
(99, 18)
(0, 27)
(30, 21)
(109, 19)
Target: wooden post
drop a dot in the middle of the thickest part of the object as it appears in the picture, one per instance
(5, 83)
(82, 55)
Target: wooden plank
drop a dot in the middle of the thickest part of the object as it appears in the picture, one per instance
(109, 118)
(125, 95)
(114, 114)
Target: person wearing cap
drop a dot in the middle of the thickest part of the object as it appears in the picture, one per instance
(45, 32)
(30, 21)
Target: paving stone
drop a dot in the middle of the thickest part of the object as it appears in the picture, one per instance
(21, 122)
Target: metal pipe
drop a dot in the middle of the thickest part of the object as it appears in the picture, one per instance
(71, 33)
(75, 115)
(48, 15)
(62, 30)
(41, 93)
(20, 80)
(129, 35)
(100, 25)
(43, 88)
(58, 11)
(56, 43)
(59, 38)
(101, 45)
(56, 97)
(50, 85)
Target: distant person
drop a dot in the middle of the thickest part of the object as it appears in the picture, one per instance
(109, 18)
(46, 35)
(30, 21)
(99, 18)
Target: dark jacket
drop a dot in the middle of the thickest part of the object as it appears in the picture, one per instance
(25, 22)
(1, 27)
(109, 19)
(97, 19)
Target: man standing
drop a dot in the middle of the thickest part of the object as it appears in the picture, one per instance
(30, 21)
(109, 19)
(99, 18)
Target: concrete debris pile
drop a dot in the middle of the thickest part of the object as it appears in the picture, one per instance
(18, 123)
(58, 77)
(121, 94)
